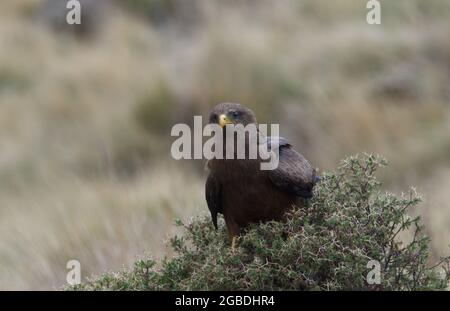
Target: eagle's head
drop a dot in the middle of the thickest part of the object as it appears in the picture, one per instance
(231, 113)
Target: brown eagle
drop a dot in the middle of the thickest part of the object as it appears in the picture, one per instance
(242, 192)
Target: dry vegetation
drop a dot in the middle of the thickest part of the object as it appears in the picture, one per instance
(325, 246)
(85, 170)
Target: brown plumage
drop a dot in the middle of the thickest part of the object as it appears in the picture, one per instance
(244, 193)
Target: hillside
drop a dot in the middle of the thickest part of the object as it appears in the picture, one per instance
(85, 114)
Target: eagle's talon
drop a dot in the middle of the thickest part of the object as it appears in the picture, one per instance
(233, 244)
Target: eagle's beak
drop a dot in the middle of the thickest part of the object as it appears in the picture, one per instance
(224, 120)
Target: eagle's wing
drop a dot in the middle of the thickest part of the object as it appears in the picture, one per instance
(294, 174)
(213, 194)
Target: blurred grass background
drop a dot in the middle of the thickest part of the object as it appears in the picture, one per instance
(86, 113)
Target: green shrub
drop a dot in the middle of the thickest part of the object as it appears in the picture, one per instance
(157, 10)
(11, 80)
(326, 246)
(162, 12)
(154, 111)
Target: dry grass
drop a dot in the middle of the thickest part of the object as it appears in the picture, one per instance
(105, 224)
(85, 170)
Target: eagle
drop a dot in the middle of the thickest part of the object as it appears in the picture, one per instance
(245, 194)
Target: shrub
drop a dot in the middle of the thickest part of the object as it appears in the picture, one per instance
(154, 111)
(326, 246)
(163, 12)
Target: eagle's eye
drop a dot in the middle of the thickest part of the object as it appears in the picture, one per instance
(234, 113)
